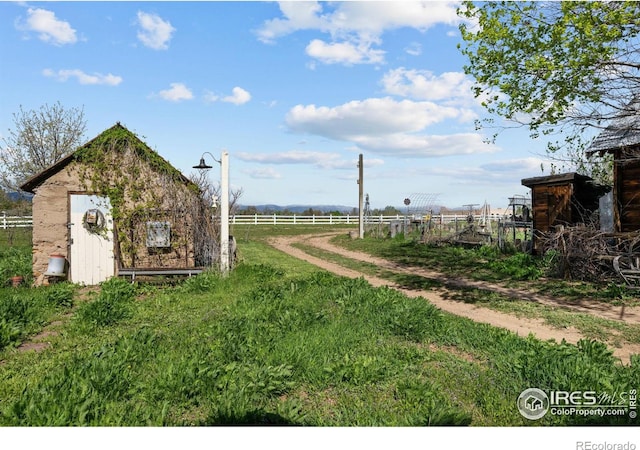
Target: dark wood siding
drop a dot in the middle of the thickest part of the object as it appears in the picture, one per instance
(628, 196)
(551, 206)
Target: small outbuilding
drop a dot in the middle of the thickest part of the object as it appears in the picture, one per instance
(563, 199)
(621, 139)
(115, 207)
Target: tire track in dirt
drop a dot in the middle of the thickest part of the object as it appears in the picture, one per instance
(520, 326)
(629, 315)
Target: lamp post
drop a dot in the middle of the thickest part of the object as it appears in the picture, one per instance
(224, 205)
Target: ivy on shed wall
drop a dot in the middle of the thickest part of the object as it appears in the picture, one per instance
(142, 186)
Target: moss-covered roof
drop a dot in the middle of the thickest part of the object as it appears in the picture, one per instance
(116, 137)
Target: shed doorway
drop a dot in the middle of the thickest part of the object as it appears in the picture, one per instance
(91, 257)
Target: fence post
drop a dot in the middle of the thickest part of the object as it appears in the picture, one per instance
(294, 219)
(4, 220)
(255, 220)
(313, 219)
(275, 222)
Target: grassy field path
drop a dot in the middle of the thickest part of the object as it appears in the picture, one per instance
(438, 296)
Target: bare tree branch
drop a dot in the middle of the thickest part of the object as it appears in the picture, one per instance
(38, 140)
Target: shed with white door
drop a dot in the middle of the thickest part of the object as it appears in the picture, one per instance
(115, 207)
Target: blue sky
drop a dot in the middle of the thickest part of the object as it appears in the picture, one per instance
(293, 91)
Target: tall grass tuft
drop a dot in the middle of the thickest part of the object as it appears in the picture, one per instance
(111, 306)
(15, 261)
(24, 311)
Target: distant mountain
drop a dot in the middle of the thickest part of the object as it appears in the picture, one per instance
(17, 196)
(298, 208)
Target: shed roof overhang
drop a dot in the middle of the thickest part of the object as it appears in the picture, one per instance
(562, 178)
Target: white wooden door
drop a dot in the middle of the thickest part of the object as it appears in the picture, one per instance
(91, 254)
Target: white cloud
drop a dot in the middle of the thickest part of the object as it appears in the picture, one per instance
(354, 26)
(425, 85)
(50, 28)
(321, 160)
(414, 49)
(297, 16)
(389, 127)
(520, 166)
(210, 97)
(425, 146)
(509, 171)
(344, 52)
(370, 117)
(176, 93)
(154, 32)
(263, 173)
(238, 97)
(362, 18)
(82, 77)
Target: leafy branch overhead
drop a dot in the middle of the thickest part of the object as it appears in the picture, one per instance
(554, 67)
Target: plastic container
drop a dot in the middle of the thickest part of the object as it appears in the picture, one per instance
(56, 266)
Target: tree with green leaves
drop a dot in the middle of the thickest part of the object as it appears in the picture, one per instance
(564, 70)
(39, 139)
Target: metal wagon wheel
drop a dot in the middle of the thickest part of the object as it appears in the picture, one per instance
(627, 265)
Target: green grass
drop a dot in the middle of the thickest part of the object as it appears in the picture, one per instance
(258, 252)
(590, 326)
(261, 232)
(281, 342)
(259, 347)
(15, 237)
(15, 261)
(24, 311)
(488, 264)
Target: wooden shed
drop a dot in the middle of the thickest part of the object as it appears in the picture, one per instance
(115, 207)
(622, 140)
(563, 199)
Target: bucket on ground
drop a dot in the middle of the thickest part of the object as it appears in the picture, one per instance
(56, 266)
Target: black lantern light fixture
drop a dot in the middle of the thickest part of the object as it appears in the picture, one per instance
(203, 165)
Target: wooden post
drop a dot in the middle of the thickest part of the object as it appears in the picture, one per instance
(360, 197)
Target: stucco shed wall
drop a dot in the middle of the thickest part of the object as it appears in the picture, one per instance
(50, 218)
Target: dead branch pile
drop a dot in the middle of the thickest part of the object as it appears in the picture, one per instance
(585, 253)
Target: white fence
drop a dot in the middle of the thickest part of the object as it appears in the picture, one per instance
(276, 219)
(15, 221)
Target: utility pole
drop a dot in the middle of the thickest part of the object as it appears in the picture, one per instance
(360, 197)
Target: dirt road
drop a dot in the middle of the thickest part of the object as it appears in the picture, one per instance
(519, 325)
